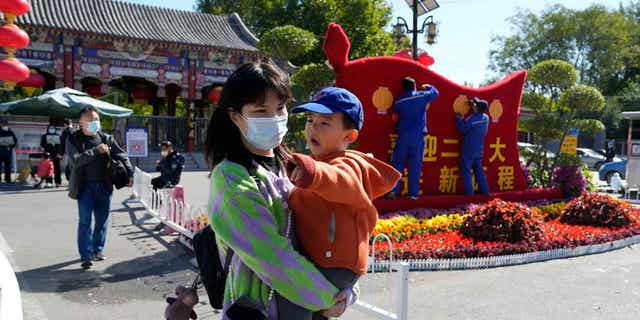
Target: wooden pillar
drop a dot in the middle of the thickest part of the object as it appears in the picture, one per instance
(68, 66)
(172, 93)
(191, 108)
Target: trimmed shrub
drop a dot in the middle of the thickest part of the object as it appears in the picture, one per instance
(592, 209)
(503, 221)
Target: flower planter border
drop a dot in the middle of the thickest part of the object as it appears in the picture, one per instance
(509, 260)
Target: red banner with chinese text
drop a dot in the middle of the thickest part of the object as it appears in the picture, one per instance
(377, 82)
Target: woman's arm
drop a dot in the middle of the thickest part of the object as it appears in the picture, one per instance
(242, 220)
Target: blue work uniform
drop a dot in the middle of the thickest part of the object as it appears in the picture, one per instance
(474, 129)
(412, 126)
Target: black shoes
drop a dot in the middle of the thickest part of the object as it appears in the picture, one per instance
(98, 256)
(86, 264)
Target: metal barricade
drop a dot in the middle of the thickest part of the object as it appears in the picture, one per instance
(397, 274)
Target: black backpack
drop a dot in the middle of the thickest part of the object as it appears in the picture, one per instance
(212, 272)
(117, 171)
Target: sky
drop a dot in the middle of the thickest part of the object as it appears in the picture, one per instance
(465, 29)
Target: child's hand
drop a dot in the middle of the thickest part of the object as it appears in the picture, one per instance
(337, 309)
(293, 169)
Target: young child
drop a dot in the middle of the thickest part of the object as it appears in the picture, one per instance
(332, 202)
(45, 170)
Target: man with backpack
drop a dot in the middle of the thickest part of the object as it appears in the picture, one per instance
(93, 156)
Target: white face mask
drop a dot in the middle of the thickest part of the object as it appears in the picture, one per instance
(52, 130)
(164, 153)
(93, 126)
(266, 133)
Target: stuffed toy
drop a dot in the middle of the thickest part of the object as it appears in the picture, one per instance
(181, 307)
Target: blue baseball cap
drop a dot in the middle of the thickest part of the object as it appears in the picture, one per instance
(331, 100)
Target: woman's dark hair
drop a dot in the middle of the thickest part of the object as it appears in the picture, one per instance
(248, 84)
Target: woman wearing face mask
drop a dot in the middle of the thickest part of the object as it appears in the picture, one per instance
(247, 201)
(51, 143)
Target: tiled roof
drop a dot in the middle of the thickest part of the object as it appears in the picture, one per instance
(129, 20)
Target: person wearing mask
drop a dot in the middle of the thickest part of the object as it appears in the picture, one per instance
(411, 108)
(66, 132)
(89, 151)
(474, 129)
(610, 153)
(248, 202)
(8, 141)
(51, 143)
(170, 167)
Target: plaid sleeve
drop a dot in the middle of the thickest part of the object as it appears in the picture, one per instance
(240, 218)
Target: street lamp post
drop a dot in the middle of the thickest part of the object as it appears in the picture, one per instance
(401, 27)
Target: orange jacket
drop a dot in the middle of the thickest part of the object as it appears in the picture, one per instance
(333, 209)
(45, 168)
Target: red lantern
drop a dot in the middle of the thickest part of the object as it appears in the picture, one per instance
(141, 95)
(13, 71)
(12, 38)
(13, 8)
(93, 90)
(34, 82)
(214, 95)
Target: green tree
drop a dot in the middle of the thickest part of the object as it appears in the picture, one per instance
(363, 20)
(602, 44)
(310, 78)
(287, 42)
(559, 104)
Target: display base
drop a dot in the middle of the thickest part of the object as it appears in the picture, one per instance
(452, 201)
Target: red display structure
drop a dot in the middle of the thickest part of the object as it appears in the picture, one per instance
(377, 81)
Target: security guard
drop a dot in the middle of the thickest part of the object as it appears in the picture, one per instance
(170, 167)
(474, 129)
(51, 142)
(8, 141)
(412, 126)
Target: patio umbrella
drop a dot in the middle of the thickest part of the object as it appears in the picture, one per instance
(63, 102)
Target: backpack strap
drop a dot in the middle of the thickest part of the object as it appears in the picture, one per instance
(227, 260)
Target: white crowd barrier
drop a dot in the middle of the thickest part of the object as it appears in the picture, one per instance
(397, 275)
(187, 219)
(184, 218)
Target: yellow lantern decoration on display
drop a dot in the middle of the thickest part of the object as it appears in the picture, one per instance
(460, 105)
(382, 99)
(495, 110)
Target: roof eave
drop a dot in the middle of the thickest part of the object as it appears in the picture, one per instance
(107, 35)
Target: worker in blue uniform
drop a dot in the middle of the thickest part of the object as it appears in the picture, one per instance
(474, 130)
(411, 108)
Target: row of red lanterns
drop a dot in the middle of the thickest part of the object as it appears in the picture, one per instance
(141, 94)
(13, 38)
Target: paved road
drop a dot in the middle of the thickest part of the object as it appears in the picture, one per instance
(38, 232)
